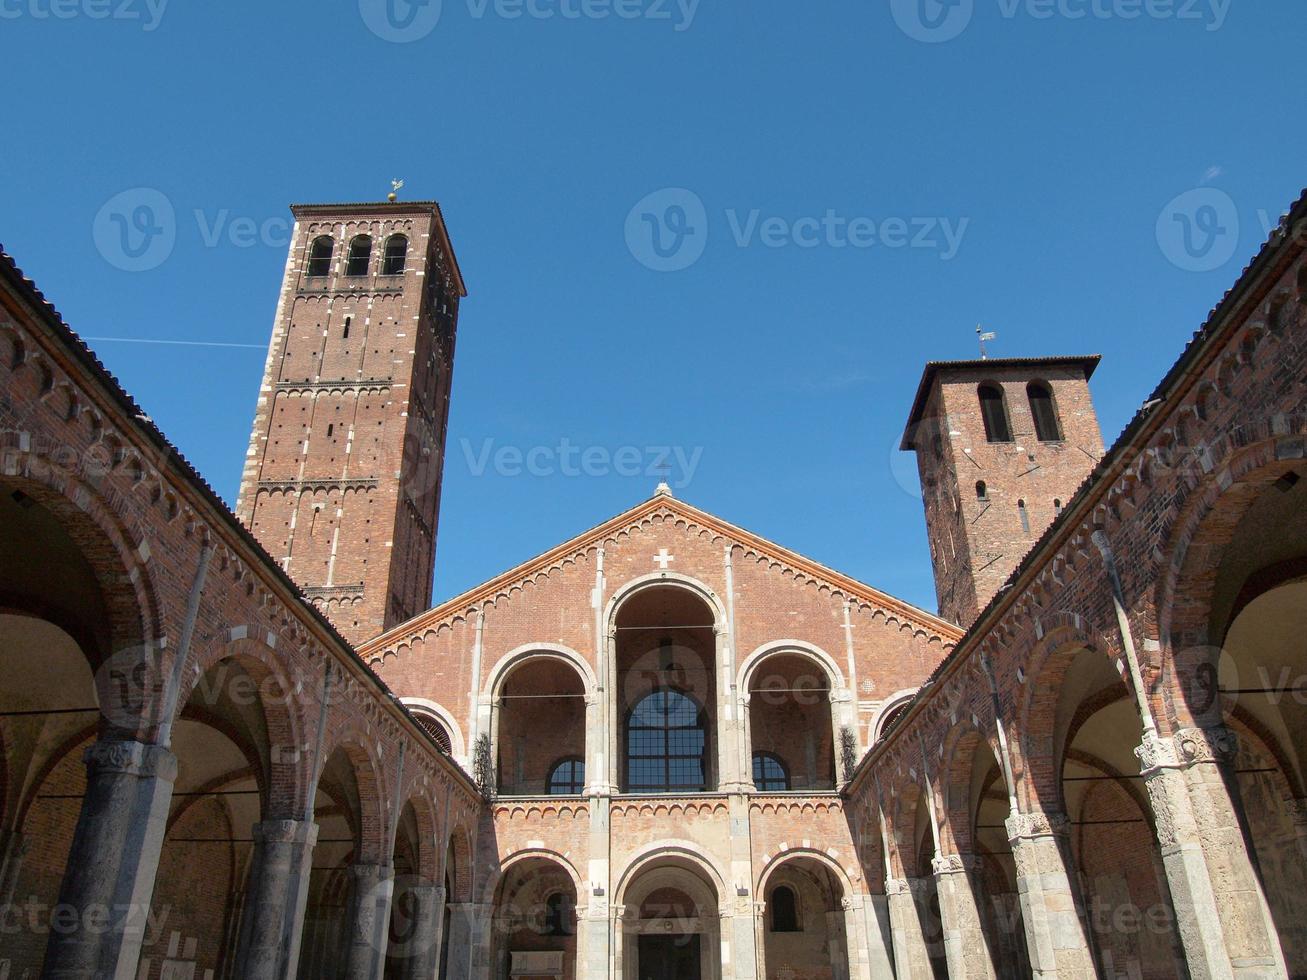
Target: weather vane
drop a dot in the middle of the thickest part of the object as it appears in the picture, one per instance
(395, 186)
(984, 337)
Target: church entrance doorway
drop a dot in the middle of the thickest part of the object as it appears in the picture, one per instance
(674, 957)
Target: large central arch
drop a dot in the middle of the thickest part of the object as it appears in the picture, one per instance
(665, 649)
(669, 919)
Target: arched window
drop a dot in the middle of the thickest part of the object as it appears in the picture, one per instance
(435, 729)
(392, 262)
(982, 491)
(993, 410)
(320, 257)
(769, 775)
(666, 739)
(567, 778)
(784, 910)
(360, 254)
(1044, 412)
(1024, 515)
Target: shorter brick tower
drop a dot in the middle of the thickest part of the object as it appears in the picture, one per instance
(342, 478)
(1001, 446)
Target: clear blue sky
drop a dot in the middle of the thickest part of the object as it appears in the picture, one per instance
(1061, 140)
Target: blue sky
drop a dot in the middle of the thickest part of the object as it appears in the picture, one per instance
(875, 178)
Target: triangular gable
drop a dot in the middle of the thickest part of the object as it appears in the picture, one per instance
(666, 505)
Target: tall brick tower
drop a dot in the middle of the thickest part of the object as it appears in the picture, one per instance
(1001, 446)
(342, 477)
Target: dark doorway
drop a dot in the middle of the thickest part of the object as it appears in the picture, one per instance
(673, 957)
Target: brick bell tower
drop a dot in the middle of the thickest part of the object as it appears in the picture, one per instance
(1002, 445)
(342, 478)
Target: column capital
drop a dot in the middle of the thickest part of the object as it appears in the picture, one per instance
(285, 832)
(896, 886)
(1028, 826)
(953, 864)
(1187, 747)
(130, 758)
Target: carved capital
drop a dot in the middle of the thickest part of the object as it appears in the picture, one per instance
(130, 759)
(1216, 744)
(896, 886)
(1025, 826)
(948, 864)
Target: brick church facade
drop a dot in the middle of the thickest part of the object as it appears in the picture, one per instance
(241, 744)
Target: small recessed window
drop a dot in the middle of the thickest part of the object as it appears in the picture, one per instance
(993, 412)
(345, 333)
(1057, 506)
(982, 491)
(320, 257)
(392, 262)
(331, 427)
(1044, 412)
(1025, 516)
(360, 254)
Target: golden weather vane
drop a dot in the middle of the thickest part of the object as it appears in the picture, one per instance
(395, 186)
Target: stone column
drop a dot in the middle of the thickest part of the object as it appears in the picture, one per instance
(965, 946)
(369, 928)
(730, 721)
(275, 899)
(109, 878)
(423, 950)
(13, 848)
(1298, 814)
(911, 958)
(1221, 913)
(469, 941)
(592, 940)
(1055, 933)
(876, 937)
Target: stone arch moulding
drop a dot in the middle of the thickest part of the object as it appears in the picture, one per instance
(823, 858)
(895, 700)
(456, 745)
(537, 854)
(530, 651)
(809, 651)
(655, 579)
(654, 852)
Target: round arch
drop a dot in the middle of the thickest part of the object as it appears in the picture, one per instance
(659, 852)
(809, 853)
(656, 579)
(371, 791)
(532, 854)
(457, 746)
(800, 648)
(886, 709)
(527, 652)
